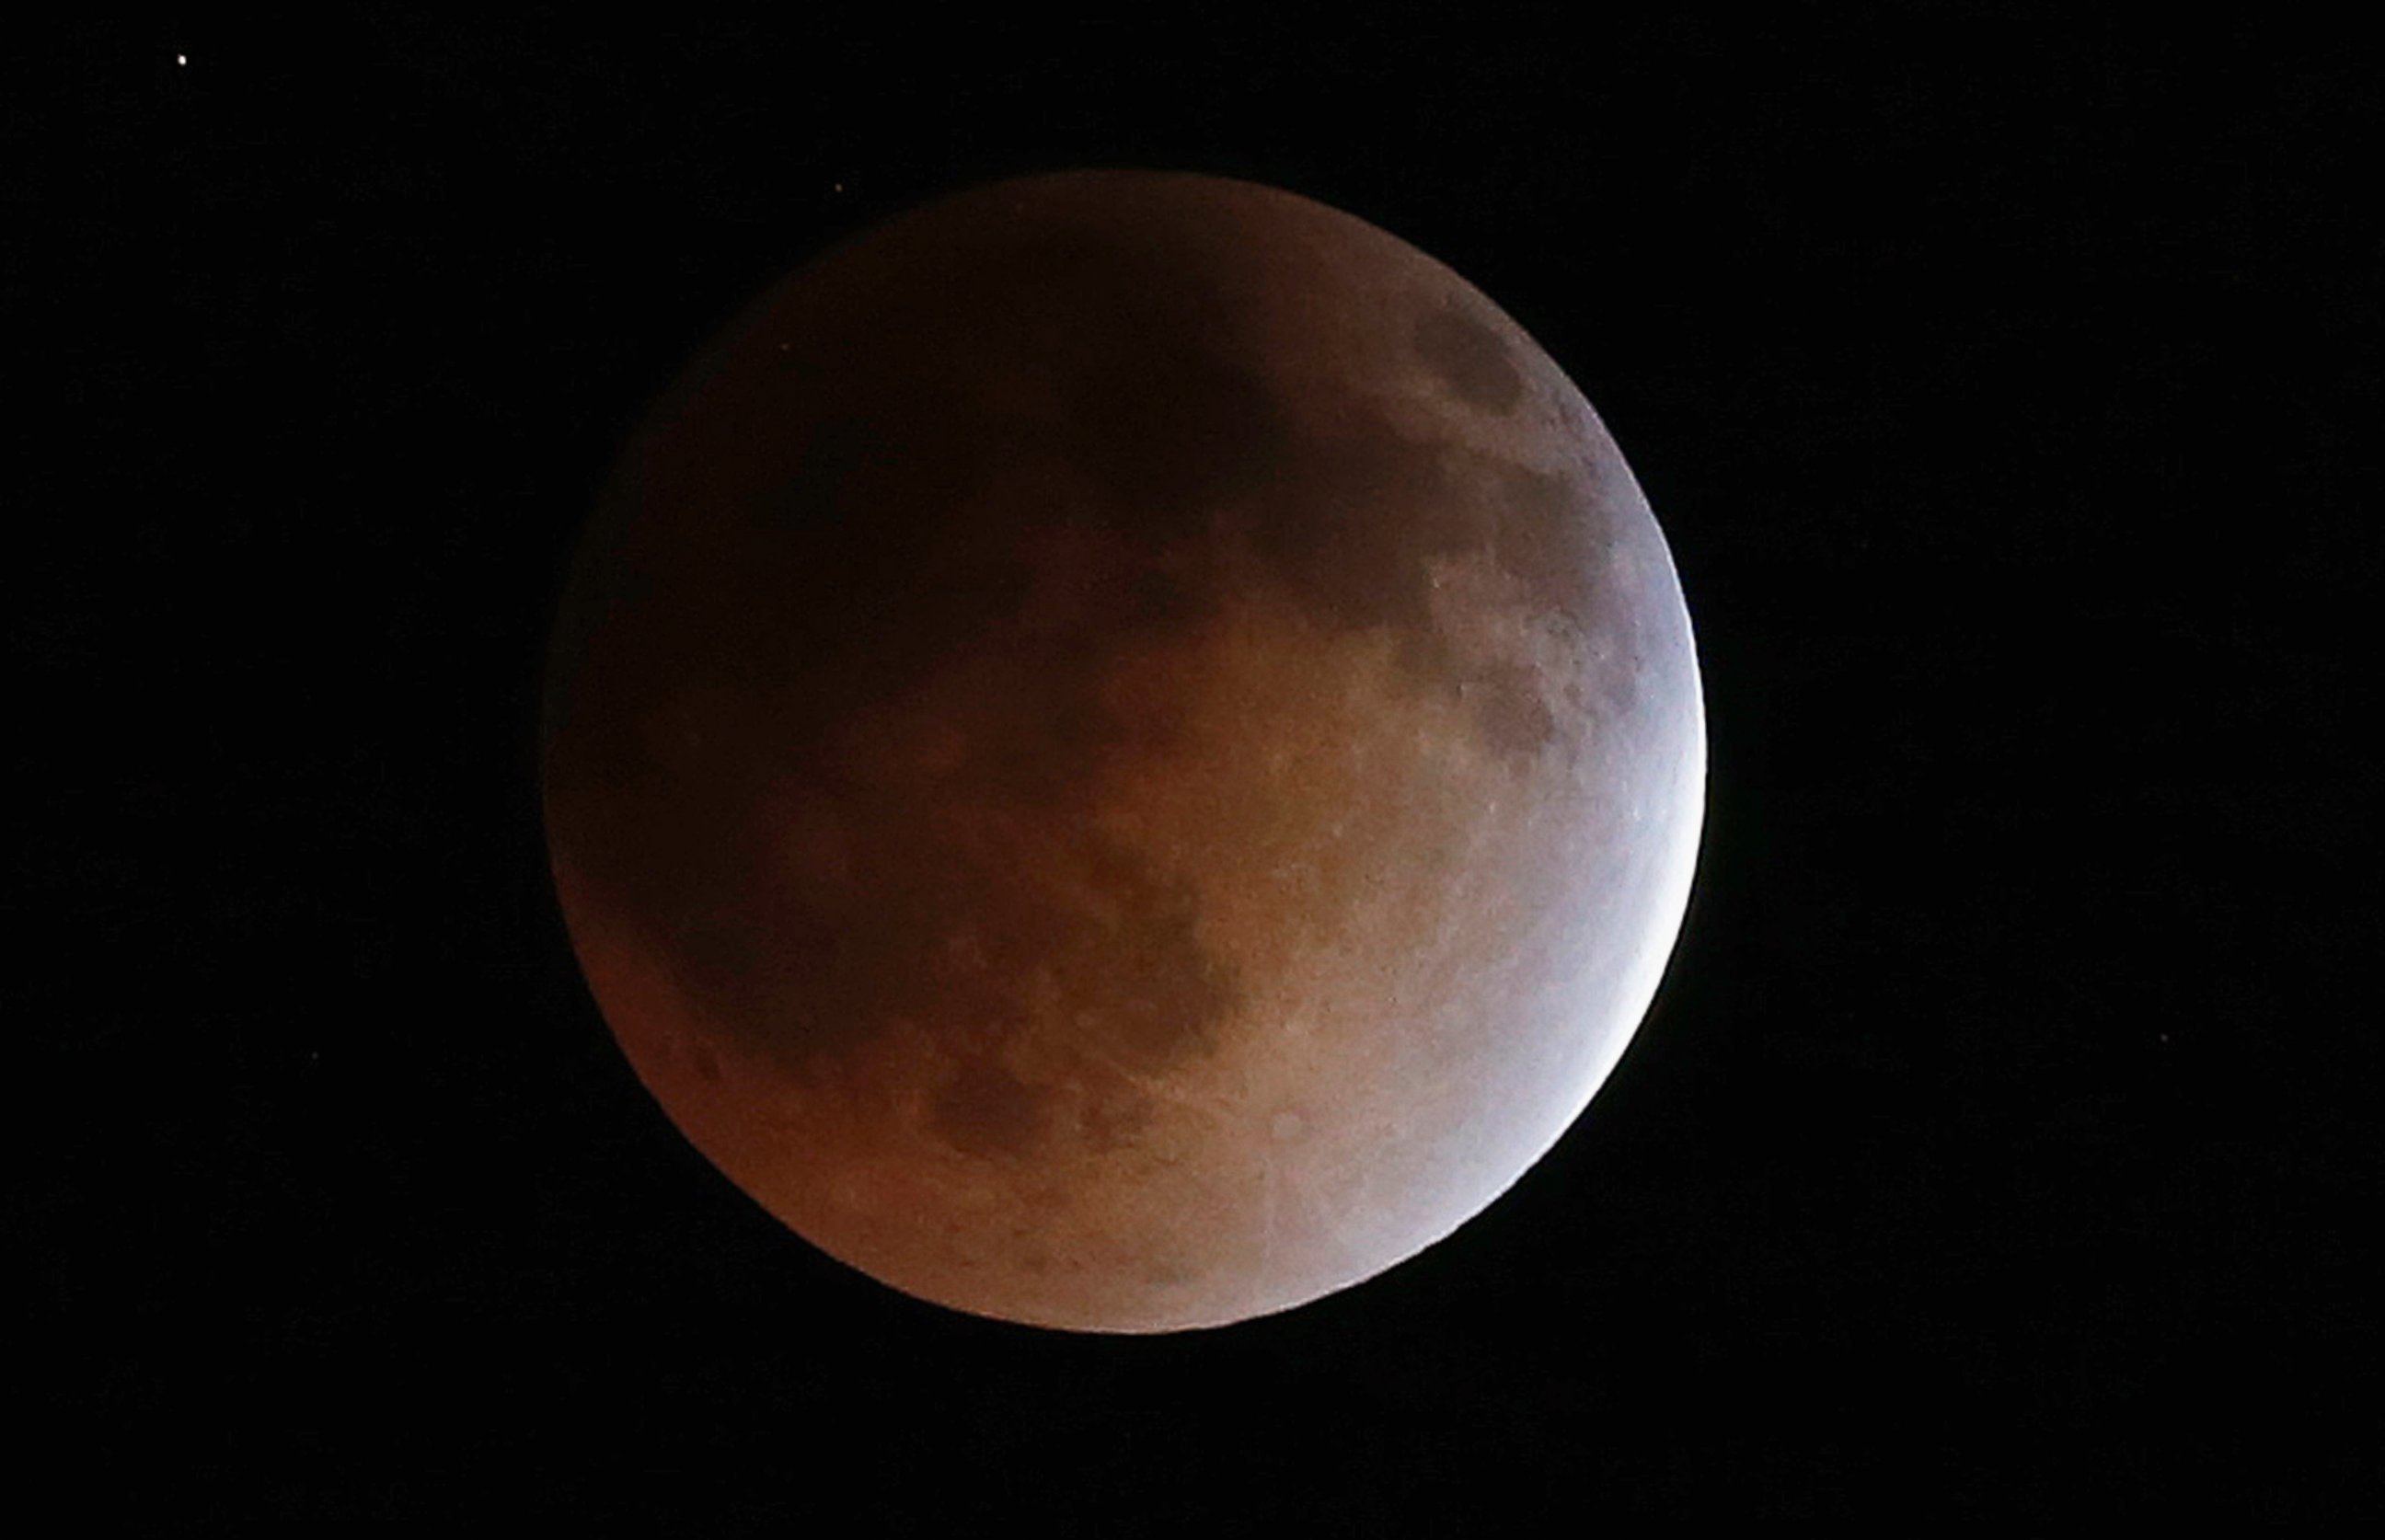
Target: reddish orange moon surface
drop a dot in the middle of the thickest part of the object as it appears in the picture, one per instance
(1123, 752)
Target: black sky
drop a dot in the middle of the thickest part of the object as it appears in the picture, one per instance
(1999, 1151)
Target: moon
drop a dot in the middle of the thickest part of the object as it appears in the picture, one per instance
(1122, 751)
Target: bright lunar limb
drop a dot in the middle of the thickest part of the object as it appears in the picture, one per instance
(1123, 752)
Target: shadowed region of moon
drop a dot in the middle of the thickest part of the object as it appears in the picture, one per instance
(1122, 751)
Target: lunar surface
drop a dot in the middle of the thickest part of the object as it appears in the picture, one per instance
(1123, 752)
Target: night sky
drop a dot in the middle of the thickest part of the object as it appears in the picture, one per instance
(1999, 1151)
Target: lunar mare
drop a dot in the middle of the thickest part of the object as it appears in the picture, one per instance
(1123, 752)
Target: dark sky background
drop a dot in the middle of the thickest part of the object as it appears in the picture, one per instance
(1999, 1151)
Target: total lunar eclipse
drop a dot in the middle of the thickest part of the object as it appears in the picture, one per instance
(1123, 752)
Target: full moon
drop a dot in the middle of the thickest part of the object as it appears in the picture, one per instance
(1122, 751)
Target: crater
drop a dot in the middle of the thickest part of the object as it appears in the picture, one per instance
(986, 1111)
(1509, 711)
(1470, 358)
(1545, 537)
